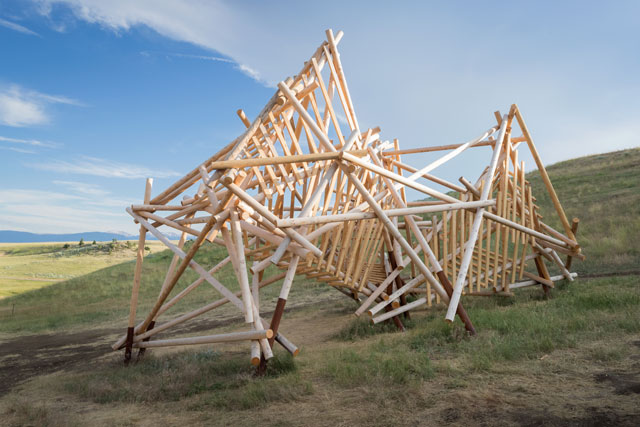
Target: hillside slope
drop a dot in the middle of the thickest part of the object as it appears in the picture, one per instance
(603, 191)
(569, 360)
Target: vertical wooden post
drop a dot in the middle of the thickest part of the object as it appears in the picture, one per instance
(399, 284)
(473, 233)
(544, 273)
(574, 230)
(136, 279)
(543, 173)
(279, 311)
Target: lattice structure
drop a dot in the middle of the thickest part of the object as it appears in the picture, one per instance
(305, 189)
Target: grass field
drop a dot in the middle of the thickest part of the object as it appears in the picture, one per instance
(603, 191)
(571, 360)
(29, 266)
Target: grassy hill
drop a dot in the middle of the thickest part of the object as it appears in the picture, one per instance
(603, 191)
(29, 266)
(570, 360)
(102, 296)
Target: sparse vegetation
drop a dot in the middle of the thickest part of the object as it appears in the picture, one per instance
(603, 191)
(28, 266)
(569, 359)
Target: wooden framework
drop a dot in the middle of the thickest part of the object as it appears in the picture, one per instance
(304, 188)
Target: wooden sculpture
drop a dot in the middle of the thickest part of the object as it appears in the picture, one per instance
(305, 189)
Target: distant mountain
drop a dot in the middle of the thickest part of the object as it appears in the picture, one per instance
(10, 236)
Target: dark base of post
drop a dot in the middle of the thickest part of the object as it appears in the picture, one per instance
(462, 313)
(396, 320)
(399, 284)
(128, 346)
(261, 369)
(544, 273)
(143, 349)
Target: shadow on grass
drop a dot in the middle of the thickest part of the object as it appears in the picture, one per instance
(213, 381)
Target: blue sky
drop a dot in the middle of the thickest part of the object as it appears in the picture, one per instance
(96, 95)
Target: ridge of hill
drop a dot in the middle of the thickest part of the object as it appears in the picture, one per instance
(12, 236)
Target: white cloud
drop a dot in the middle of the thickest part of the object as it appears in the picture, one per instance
(93, 195)
(18, 150)
(59, 212)
(207, 23)
(18, 111)
(22, 107)
(21, 196)
(240, 67)
(17, 27)
(85, 165)
(433, 79)
(83, 188)
(188, 55)
(254, 74)
(31, 142)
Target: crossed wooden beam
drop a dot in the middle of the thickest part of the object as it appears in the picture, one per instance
(306, 190)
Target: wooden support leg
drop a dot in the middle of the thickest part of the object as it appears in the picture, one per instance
(128, 345)
(279, 311)
(142, 350)
(399, 284)
(396, 319)
(461, 312)
(275, 323)
(275, 319)
(544, 273)
(403, 298)
(574, 229)
(136, 281)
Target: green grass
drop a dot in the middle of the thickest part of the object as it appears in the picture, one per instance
(603, 191)
(217, 381)
(524, 343)
(382, 364)
(103, 296)
(28, 266)
(509, 330)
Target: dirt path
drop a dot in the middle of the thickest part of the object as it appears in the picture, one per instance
(22, 358)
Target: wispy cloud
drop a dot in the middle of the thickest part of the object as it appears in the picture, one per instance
(85, 165)
(240, 67)
(187, 55)
(93, 195)
(19, 196)
(17, 27)
(21, 107)
(31, 142)
(18, 150)
(254, 74)
(202, 23)
(83, 188)
(56, 212)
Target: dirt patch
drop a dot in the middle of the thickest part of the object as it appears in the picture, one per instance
(28, 356)
(623, 383)
(596, 417)
(24, 357)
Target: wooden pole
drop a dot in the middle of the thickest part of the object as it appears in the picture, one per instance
(574, 229)
(136, 279)
(543, 174)
(473, 234)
